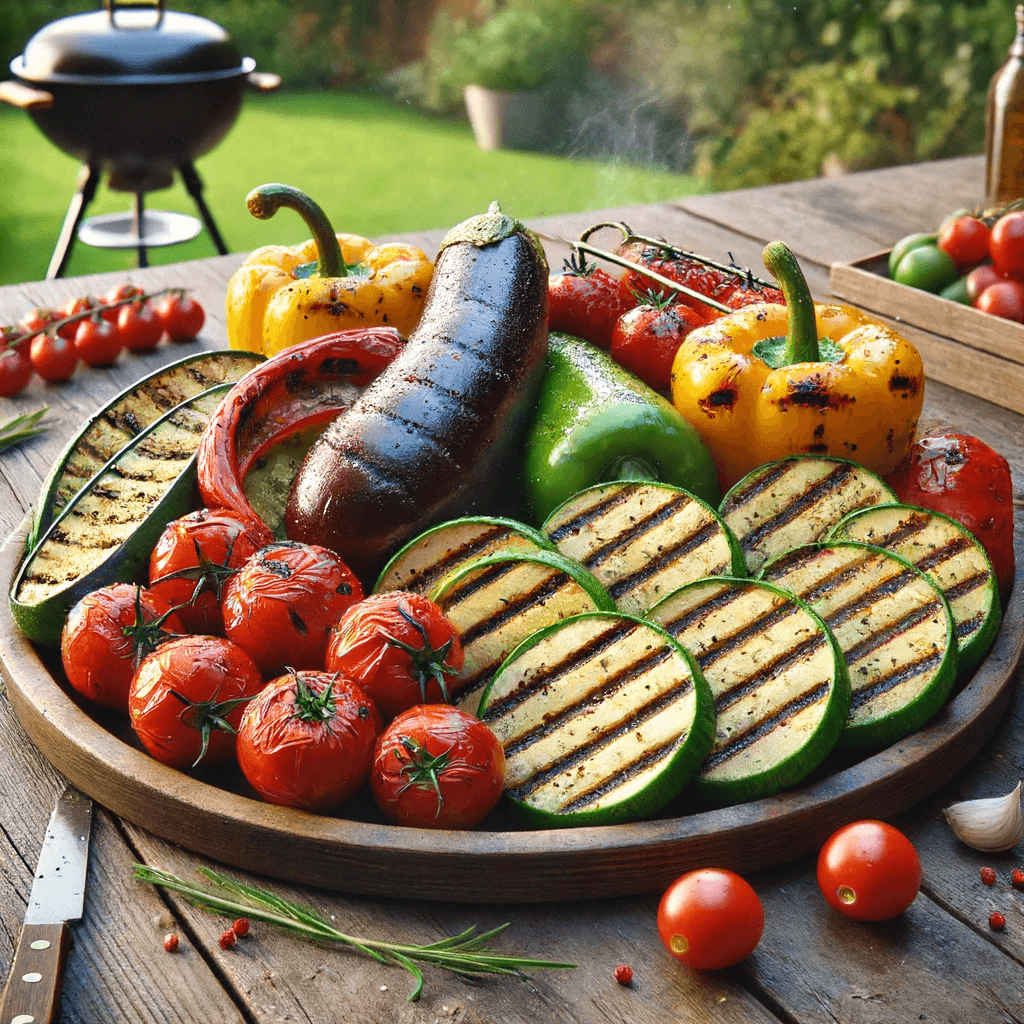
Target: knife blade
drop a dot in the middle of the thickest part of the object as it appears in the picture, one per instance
(32, 993)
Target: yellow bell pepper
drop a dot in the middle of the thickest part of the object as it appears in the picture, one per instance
(770, 380)
(282, 295)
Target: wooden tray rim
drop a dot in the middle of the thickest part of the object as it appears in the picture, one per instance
(495, 867)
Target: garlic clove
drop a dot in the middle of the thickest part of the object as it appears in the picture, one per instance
(992, 825)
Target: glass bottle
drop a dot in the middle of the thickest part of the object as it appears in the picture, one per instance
(1004, 126)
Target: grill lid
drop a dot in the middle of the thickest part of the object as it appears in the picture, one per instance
(134, 42)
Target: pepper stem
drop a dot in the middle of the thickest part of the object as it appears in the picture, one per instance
(631, 467)
(263, 202)
(802, 333)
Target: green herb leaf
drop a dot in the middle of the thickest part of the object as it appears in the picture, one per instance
(773, 351)
(21, 428)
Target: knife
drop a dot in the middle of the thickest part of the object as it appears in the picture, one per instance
(32, 994)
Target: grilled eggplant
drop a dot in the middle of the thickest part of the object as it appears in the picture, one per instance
(434, 436)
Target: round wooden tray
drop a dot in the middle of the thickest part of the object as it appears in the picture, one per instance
(494, 866)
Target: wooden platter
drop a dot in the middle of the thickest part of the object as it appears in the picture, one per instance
(494, 864)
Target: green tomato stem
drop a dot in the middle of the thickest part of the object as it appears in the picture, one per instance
(802, 333)
(263, 202)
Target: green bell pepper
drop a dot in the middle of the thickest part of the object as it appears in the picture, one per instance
(595, 422)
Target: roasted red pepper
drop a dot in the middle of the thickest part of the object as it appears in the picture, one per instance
(962, 477)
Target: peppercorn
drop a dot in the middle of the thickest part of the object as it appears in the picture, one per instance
(1017, 878)
(623, 974)
(996, 921)
(171, 942)
(241, 927)
(227, 940)
(988, 876)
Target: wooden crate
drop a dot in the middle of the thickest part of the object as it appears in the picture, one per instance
(962, 347)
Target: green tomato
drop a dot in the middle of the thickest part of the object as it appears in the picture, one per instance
(926, 267)
(957, 291)
(905, 244)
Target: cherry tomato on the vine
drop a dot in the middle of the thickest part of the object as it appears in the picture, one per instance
(869, 871)
(70, 308)
(15, 371)
(710, 918)
(33, 322)
(646, 339)
(696, 276)
(587, 304)
(965, 239)
(116, 294)
(307, 740)
(106, 636)
(1006, 243)
(97, 341)
(54, 358)
(182, 317)
(437, 767)
(139, 327)
(1004, 298)
(194, 558)
(280, 606)
(187, 698)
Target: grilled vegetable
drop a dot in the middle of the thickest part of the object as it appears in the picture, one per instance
(107, 431)
(779, 681)
(428, 558)
(497, 601)
(603, 718)
(796, 501)
(433, 437)
(946, 551)
(894, 627)
(644, 540)
(106, 532)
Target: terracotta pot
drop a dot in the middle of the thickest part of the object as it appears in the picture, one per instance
(508, 120)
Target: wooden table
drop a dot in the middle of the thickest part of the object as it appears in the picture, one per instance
(939, 962)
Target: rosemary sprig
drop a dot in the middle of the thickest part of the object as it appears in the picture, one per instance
(21, 428)
(463, 954)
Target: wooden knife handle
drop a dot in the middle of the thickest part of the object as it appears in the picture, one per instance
(33, 987)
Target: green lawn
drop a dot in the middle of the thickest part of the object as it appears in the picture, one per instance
(377, 168)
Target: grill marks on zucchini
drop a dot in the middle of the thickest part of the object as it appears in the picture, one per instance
(796, 501)
(949, 554)
(643, 540)
(778, 679)
(603, 719)
(893, 625)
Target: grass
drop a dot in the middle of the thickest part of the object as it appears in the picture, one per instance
(376, 167)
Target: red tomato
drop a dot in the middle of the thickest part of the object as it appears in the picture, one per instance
(869, 871)
(962, 477)
(716, 284)
(399, 647)
(70, 308)
(587, 305)
(54, 358)
(194, 558)
(1005, 298)
(35, 321)
(965, 240)
(15, 371)
(745, 295)
(307, 740)
(182, 317)
(97, 341)
(1006, 243)
(139, 327)
(979, 279)
(646, 339)
(187, 698)
(280, 606)
(710, 918)
(437, 767)
(106, 636)
(116, 294)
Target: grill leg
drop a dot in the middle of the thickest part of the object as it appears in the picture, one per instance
(139, 221)
(88, 180)
(194, 185)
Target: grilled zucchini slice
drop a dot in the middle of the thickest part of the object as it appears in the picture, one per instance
(778, 678)
(796, 501)
(422, 563)
(497, 601)
(894, 627)
(946, 551)
(604, 718)
(106, 532)
(642, 540)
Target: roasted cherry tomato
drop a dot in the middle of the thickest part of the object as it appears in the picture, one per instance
(280, 606)
(182, 317)
(710, 918)
(965, 240)
(437, 767)
(307, 740)
(869, 871)
(399, 647)
(586, 301)
(646, 339)
(194, 558)
(187, 698)
(963, 477)
(1004, 298)
(97, 341)
(139, 327)
(15, 371)
(709, 281)
(106, 636)
(1006, 243)
(54, 358)
(747, 295)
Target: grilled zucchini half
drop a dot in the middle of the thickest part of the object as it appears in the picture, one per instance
(894, 627)
(642, 540)
(604, 718)
(497, 601)
(946, 551)
(422, 563)
(778, 679)
(106, 533)
(796, 501)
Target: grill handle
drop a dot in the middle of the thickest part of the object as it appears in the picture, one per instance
(135, 5)
(263, 81)
(25, 97)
